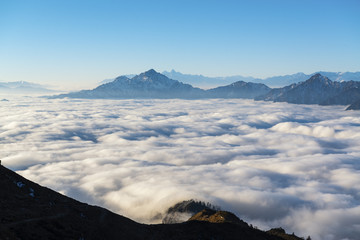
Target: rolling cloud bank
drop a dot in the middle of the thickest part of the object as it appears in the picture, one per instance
(273, 164)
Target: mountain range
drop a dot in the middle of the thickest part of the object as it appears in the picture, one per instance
(152, 84)
(30, 211)
(318, 89)
(275, 81)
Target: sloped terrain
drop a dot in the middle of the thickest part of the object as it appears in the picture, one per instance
(316, 90)
(209, 215)
(149, 84)
(30, 211)
(239, 89)
(182, 211)
(354, 106)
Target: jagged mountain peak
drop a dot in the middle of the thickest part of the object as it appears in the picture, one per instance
(239, 83)
(151, 75)
(151, 72)
(316, 81)
(319, 78)
(316, 76)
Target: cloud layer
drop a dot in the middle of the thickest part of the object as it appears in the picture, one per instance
(273, 164)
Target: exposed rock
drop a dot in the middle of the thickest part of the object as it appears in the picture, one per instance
(209, 215)
(182, 211)
(280, 232)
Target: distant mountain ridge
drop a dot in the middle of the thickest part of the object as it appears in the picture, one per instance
(23, 87)
(275, 81)
(204, 81)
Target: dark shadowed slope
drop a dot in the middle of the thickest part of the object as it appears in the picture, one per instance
(313, 91)
(30, 211)
(349, 95)
(354, 106)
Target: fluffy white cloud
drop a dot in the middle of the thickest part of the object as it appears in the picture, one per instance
(273, 164)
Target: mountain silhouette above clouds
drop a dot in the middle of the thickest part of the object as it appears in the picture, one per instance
(318, 89)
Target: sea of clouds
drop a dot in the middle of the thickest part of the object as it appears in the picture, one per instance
(272, 164)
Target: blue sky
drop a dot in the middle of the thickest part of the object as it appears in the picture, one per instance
(77, 43)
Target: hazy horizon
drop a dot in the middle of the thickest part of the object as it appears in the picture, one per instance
(201, 84)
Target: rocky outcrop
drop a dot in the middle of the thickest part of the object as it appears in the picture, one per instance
(212, 216)
(182, 211)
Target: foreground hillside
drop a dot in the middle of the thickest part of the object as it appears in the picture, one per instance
(30, 211)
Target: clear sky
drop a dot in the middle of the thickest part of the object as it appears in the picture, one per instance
(77, 43)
